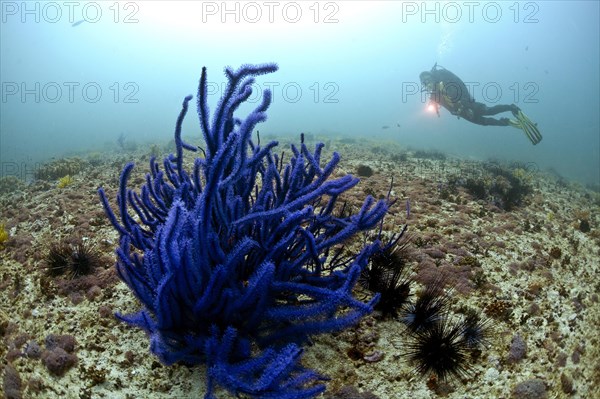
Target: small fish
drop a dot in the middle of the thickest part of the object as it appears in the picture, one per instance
(77, 23)
(526, 48)
(385, 127)
(408, 208)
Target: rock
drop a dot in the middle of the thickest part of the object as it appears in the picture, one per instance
(517, 350)
(530, 389)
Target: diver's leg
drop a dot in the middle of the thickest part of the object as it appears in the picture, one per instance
(497, 109)
(529, 128)
(521, 122)
(480, 120)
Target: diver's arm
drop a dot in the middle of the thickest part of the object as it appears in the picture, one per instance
(432, 102)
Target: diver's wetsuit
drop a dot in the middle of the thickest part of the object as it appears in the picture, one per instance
(449, 91)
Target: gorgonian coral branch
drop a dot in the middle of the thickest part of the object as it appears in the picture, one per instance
(231, 262)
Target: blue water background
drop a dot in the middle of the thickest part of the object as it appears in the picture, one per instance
(76, 77)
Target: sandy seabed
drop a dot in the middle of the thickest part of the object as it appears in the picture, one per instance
(532, 270)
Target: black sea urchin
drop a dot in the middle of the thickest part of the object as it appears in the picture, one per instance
(58, 258)
(387, 274)
(84, 259)
(428, 309)
(439, 349)
(474, 329)
(73, 259)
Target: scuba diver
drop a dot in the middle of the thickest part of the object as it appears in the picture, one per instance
(447, 90)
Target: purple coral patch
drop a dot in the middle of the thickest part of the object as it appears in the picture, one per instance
(58, 361)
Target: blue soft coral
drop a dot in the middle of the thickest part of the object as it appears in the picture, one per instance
(239, 261)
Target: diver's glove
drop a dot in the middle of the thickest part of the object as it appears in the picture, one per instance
(526, 125)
